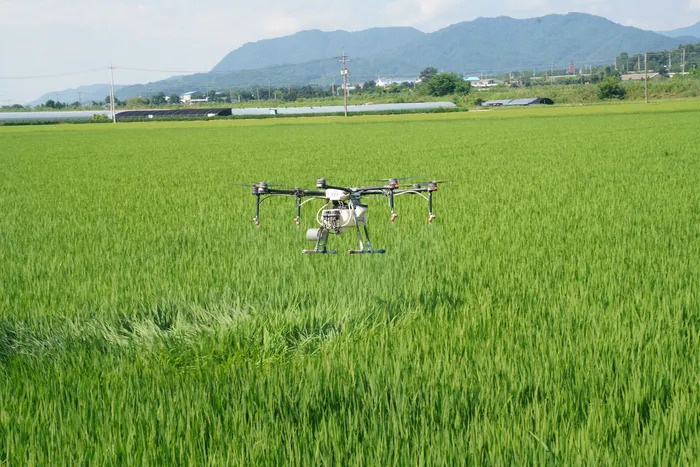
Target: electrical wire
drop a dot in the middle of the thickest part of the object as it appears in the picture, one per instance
(56, 75)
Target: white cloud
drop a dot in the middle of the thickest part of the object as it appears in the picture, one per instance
(419, 13)
(694, 5)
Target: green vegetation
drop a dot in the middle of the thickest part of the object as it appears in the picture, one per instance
(610, 88)
(442, 84)
(551, 314)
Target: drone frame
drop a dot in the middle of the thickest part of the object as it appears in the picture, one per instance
(351, 202)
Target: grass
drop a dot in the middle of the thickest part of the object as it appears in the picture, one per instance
(550, 315)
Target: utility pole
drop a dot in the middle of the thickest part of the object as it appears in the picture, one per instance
(343, 59)
(646, 80)
(669, 61)
(80, 97)
(639, 63)
(683, 62)
(111, 93)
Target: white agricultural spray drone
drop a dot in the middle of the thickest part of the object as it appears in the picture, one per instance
(343, 210)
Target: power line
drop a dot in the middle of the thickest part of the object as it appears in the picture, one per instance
(56, 75)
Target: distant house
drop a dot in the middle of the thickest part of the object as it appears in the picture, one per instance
(472, 79)
(485, 83)
(385, 83)
(186, 98)
(515, 102)
(638, 76)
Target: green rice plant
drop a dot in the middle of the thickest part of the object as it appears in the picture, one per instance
(549, 315)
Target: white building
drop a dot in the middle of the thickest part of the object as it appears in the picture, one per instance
(485, 83)
(384, 83)
(186, 98)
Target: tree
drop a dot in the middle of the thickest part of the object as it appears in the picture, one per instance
(610, 88)
(50, 103)
(174, 99)
(136, 102)
(117, 102)
(369, 87)
(442, 84)
(158, 99)
(463, 87)
(428, 73)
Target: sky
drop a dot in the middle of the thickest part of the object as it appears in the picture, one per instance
(78, 39)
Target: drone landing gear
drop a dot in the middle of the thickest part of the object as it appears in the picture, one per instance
(365, 245)
(321, 237)
(357, 252)
(321, 252)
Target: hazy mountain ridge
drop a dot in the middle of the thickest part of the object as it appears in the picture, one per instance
(306, 46)
(87, 94)
(489, 45)
(690, 31)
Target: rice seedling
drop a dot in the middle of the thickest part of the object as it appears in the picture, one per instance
(549, 315)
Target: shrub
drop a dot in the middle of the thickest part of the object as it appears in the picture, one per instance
(610, 88)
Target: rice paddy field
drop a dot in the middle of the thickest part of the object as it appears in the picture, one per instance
(550, 314)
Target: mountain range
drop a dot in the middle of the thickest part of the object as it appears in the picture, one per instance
(693, 30)
(484, 45)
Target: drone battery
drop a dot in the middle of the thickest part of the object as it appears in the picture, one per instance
(313, 234)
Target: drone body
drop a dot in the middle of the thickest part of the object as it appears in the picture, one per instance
(343, 210)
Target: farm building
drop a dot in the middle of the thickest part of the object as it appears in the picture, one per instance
(187, 98)
(514, 102)
(484, 83)
(639, 76)
(175, 113)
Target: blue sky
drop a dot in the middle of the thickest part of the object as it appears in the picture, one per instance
(41, 37)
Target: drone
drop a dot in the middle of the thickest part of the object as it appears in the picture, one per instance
(343, 210)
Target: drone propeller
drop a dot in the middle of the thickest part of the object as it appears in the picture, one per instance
(433, 183)
(257, 188)
(249, 185)
(392, 182)
(393, 179)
